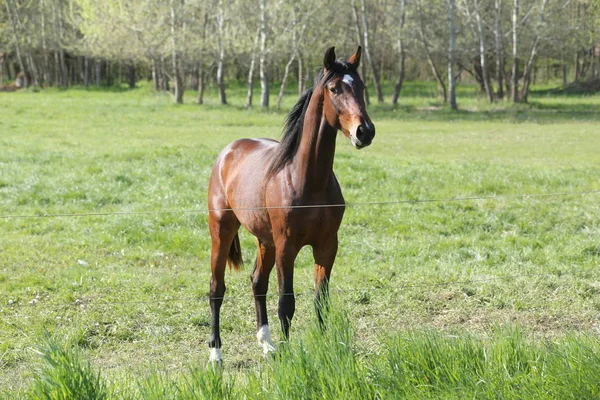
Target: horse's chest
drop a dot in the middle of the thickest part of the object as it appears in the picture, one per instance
(314, 224)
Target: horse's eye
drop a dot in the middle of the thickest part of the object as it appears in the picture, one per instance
(333, 89)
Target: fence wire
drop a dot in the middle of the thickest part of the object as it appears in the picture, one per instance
(400, 285)
(310, 206)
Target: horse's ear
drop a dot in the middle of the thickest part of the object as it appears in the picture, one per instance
(355, 58)
(329, 59)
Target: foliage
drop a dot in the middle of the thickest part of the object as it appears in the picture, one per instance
(61, 37)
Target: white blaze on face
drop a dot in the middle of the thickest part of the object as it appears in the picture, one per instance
(264, 337)
(348, 80)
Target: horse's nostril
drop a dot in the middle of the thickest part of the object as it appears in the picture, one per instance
(364, 134)
(359, 133)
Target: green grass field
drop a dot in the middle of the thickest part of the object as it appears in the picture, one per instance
(481, 292)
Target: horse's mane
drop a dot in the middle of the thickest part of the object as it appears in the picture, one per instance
(294, 122)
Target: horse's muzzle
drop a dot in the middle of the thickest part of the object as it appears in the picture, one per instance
(364, 135)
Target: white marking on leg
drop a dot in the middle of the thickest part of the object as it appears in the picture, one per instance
(348, 79)
(215, 355)
(264, 337)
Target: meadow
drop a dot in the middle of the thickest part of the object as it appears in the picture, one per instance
(468, 264)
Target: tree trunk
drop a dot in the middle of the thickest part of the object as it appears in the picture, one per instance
(221, 61)
(28, 57)
(532, 57)
(434, 69)
(201, 62)
(250, 80)
(164, 77)
(46, 63)
(175, 57)
(564, 70)
(200, 82)
(13, 25)
(451, 55)
(155, 75)
(62, 66)
(264, 77)
(483, 55)
(402, 53)
(368, 53)
(284, 79)
(86, 72)
(514, 96)
(499, 49)
(131, 75)
(360, 39)
(300, 75)
(98, 73)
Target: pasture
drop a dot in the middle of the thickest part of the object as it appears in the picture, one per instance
(449, 282)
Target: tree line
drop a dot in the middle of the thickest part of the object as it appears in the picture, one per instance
(503, 45)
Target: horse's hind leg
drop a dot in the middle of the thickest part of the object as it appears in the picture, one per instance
(265, 259)
(223, 227)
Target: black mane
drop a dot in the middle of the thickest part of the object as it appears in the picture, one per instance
(294, 122)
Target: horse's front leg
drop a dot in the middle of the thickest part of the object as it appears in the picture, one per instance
(285, 256)
(324, 254)
(265, 259)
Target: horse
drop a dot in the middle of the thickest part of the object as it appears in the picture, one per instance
(286, 194)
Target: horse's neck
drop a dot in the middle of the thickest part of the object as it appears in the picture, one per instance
(314, 160)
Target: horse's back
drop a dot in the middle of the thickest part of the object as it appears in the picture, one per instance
(242, 152)
(238, 180)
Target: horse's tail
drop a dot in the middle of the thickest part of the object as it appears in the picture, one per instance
(235, 254)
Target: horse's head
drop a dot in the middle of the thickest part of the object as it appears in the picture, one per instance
(343, 103)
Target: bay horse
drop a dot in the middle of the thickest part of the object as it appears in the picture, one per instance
(280, 192)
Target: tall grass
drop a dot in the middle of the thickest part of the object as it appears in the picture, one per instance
(65, 374)
(506, 364)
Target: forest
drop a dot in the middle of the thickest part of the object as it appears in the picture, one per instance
(502, 45)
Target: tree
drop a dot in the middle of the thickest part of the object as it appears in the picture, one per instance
(11, 11)
(401, 52)
(451, 56)
(369, 51)
(264, 76)
(514, 95)
(428, 50)
(498, 38)
(483, 53)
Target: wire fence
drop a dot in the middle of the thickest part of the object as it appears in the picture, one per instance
(399, 285)
(310, 206)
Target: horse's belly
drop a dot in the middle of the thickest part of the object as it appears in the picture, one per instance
(257, 222)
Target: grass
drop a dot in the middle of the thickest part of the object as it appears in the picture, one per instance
(475, 298)
(423, 364)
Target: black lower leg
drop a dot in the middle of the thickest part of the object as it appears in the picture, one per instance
(259, 289)
(287, 307)
(322, 302)
(215, 307)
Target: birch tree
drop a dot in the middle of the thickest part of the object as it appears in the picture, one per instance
(451, 54)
